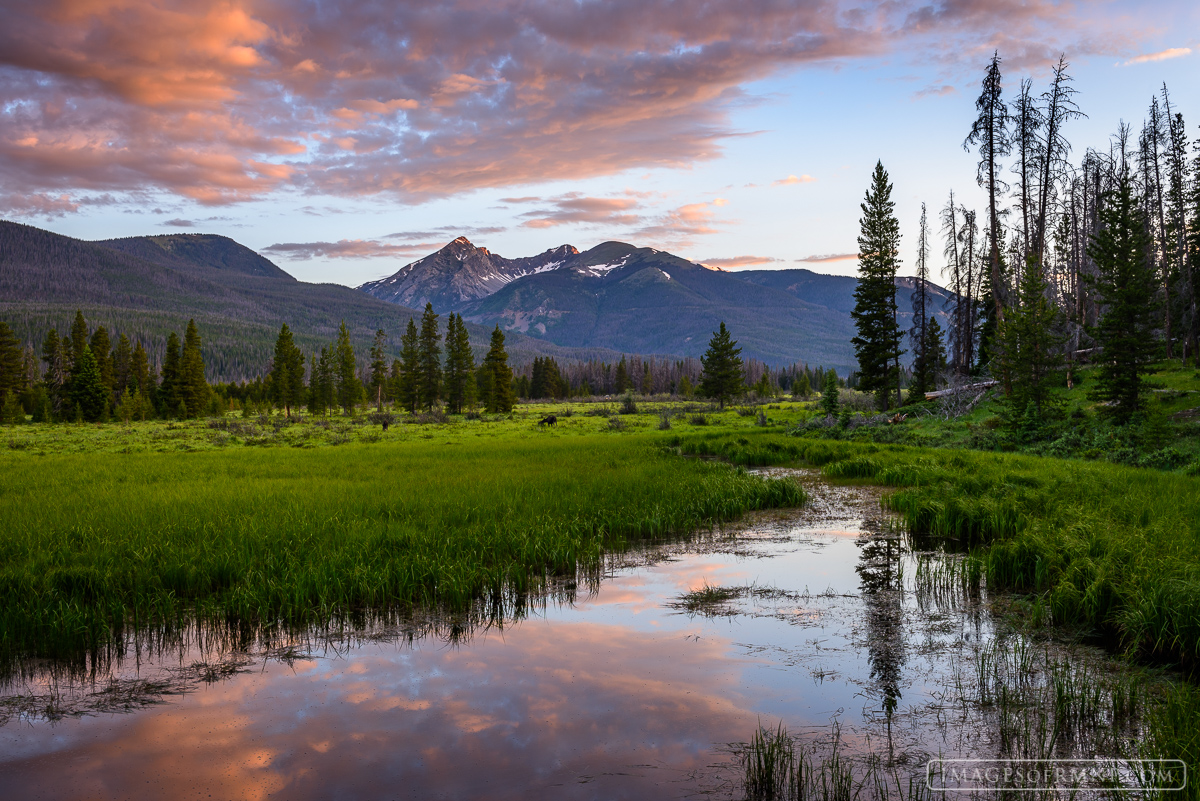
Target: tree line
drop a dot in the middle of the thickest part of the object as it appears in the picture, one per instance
(1095, 260)
(83, 376)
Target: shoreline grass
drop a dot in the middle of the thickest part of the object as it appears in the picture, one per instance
(97, 542)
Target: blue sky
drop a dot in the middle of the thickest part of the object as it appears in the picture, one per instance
(346, 140)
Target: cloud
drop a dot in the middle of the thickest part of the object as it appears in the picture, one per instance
(829, 257)
(178, 223)
(223, 101)
(1162, 55)
(936, 91)
(679, 226)
(348, 249)
(458, 230)
(792, 179)
(739, 261)
(37, 204)
(576, 208)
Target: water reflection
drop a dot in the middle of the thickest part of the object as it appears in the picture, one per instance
(609, 691)
(881, 580)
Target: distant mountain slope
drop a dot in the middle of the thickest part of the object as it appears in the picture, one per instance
(460, 273)
(647, 301)
(644, 300)
(202, 252)
(836, 292)
(149, 286)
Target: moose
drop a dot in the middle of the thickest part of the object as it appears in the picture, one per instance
(548, 420)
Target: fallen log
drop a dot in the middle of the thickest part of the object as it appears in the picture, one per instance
(941, 393)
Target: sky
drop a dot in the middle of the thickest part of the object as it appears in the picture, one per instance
(344, 140)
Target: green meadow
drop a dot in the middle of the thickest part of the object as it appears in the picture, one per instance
(258, 521)
(97, 541)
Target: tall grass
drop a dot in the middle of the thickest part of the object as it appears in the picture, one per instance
(91, 544)
(1106, 546)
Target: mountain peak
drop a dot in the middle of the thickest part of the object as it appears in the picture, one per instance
(462, 240)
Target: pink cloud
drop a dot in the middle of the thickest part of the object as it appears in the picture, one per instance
(222, 101)
(829, 257)
(792, 179)
(739, 261)
(1162, 55)
(574, 208)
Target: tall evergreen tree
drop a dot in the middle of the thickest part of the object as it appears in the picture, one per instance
(379, 369)
(829, 394)
(935, 351)
(88, 393)
(499, 398)
(139, 372)
(429, 359)
(122, 363)
(79, 338)
(193, 387)
(923, 377)
(990, 132)
(408, 391)
(1031, 347)
(621, 381)
(56, 356)
(287, 372)
(170, 390)
(101, 346)
(1125, 282)
(12, 368)
(878, 342)
(346, 371)
(721, 375)
(460, 365)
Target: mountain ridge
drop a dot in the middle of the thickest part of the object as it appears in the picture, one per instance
(645, 300)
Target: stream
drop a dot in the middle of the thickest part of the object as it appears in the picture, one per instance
(646, 682)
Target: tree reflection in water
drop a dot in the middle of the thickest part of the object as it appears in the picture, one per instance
(882, 585)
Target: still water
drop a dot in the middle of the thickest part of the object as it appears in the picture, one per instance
(622, 692)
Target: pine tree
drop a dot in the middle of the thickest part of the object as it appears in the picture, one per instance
(923, 378)
(935, 351)
(829, 394)
(647, 378)
(12, 370)
(287, 372)
(460, 366)
(721, 376)
(88, 393)
(139, 372)
(802, 387)
(429, 359)
(408, 392)
(878, 342)
(101, 346)
(499, 398)
(169, 389)
(379, 369)
(193, 388)
(1125, 282)
(55, 355)
(316, 402)
(122, 363)
(79, 338)
(346, 371)
(1031, 347)
(621, 382)
(991, 133)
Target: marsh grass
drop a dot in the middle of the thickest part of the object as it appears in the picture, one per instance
(94, 545)
(777, 768)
